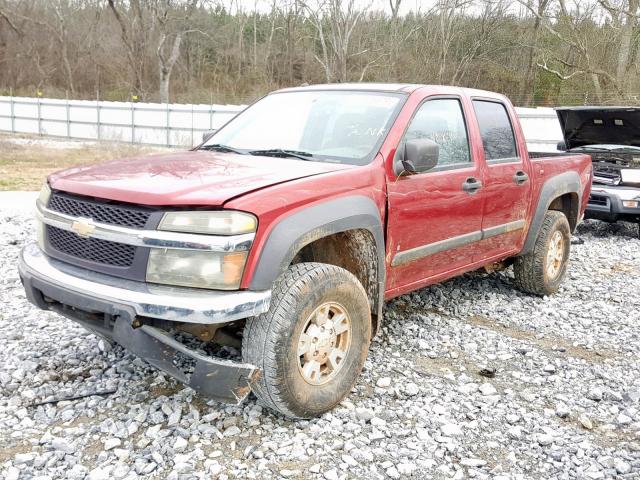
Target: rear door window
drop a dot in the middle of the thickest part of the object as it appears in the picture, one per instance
(496, 130)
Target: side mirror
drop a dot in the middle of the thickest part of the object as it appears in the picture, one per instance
(562, 146)
(207, 135)
(419, 155)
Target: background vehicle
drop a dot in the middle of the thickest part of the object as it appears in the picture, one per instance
(611, 135)
(287, 230)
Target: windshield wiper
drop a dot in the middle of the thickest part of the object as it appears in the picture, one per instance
(280, 152)
(218, 147)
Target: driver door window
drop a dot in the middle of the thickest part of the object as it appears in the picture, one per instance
(442, 121)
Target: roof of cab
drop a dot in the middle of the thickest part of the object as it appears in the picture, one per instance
(363, 86)
(406, 88)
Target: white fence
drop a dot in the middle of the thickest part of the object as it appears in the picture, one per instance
(145, 123)
(177, 125)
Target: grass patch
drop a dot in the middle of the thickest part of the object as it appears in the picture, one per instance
(25, 162)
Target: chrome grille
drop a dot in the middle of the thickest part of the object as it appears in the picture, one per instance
(113, 214)
(91, 249)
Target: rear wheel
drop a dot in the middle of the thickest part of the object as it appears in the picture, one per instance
(542, 270)
(312, 343)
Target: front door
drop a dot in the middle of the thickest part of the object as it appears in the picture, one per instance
(435, 217)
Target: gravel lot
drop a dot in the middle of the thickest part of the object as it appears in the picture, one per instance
(468, 379)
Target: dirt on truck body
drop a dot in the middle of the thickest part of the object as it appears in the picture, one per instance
(284, 233)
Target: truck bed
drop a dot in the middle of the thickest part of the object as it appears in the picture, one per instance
(551, 154)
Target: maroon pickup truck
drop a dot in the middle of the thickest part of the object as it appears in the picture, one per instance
(282, 235)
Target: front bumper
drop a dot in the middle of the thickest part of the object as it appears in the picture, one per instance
(605, 203)
(177, 304)
(109, 306)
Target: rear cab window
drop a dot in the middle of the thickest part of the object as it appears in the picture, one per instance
(496, 130)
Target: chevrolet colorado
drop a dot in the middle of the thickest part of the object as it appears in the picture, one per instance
(284, 233)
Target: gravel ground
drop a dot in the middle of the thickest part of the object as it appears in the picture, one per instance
(468, 379)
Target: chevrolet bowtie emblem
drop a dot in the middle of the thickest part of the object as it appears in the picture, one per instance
(84, 227)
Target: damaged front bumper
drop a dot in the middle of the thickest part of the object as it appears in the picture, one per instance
(111, 307)
(613, 203)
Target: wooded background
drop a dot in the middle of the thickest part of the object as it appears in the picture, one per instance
(538, 52)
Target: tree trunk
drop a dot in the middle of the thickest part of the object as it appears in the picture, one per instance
(164, 85)
(627, 31)
(596, 86)
(528, 85)
(166, 66)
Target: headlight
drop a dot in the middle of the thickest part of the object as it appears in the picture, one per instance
(189, 268)
(630, 203)
(45, 193)
(222, 222)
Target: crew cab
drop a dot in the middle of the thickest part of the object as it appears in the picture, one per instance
(611, 135)
(284, 234)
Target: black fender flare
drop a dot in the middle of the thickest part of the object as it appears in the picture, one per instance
(567, 182)
(292, 233)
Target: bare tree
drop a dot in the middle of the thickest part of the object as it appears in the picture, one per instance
(57, 25)
(526, 92)
(569, 29)
(177, 28)
(450, 26)
(626, 17)
(395, 7)
(5, 17)
(133, 33)
(564, 49)
(334, 22)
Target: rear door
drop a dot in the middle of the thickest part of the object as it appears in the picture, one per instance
(507, 182)
(435, 217)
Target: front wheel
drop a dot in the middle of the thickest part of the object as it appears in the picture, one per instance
(542, 270)
(312, 343)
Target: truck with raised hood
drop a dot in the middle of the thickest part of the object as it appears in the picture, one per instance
(611, 136)
(261, 259)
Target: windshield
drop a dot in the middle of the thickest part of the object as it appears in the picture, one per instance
(327, 126)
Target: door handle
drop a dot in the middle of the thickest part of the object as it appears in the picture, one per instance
(520, 177)
(471, 185)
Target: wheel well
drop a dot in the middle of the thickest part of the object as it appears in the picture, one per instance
(353, 250)
(569, 204)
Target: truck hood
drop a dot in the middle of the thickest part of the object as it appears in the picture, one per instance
(186, 178)
(583, 126)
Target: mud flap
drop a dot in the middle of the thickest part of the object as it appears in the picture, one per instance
(223, 380)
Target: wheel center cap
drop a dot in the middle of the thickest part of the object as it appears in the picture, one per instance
(324, 340)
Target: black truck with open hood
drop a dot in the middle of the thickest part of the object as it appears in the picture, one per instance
(611, 135)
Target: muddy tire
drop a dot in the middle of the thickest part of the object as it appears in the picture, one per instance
(542, 270)
(312, 343)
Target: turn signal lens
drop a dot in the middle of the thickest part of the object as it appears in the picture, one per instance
(40, 234)
(45, 193)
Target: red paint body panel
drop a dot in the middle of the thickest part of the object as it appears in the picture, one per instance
(279, 201)
(415, 210)
(185, 178)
